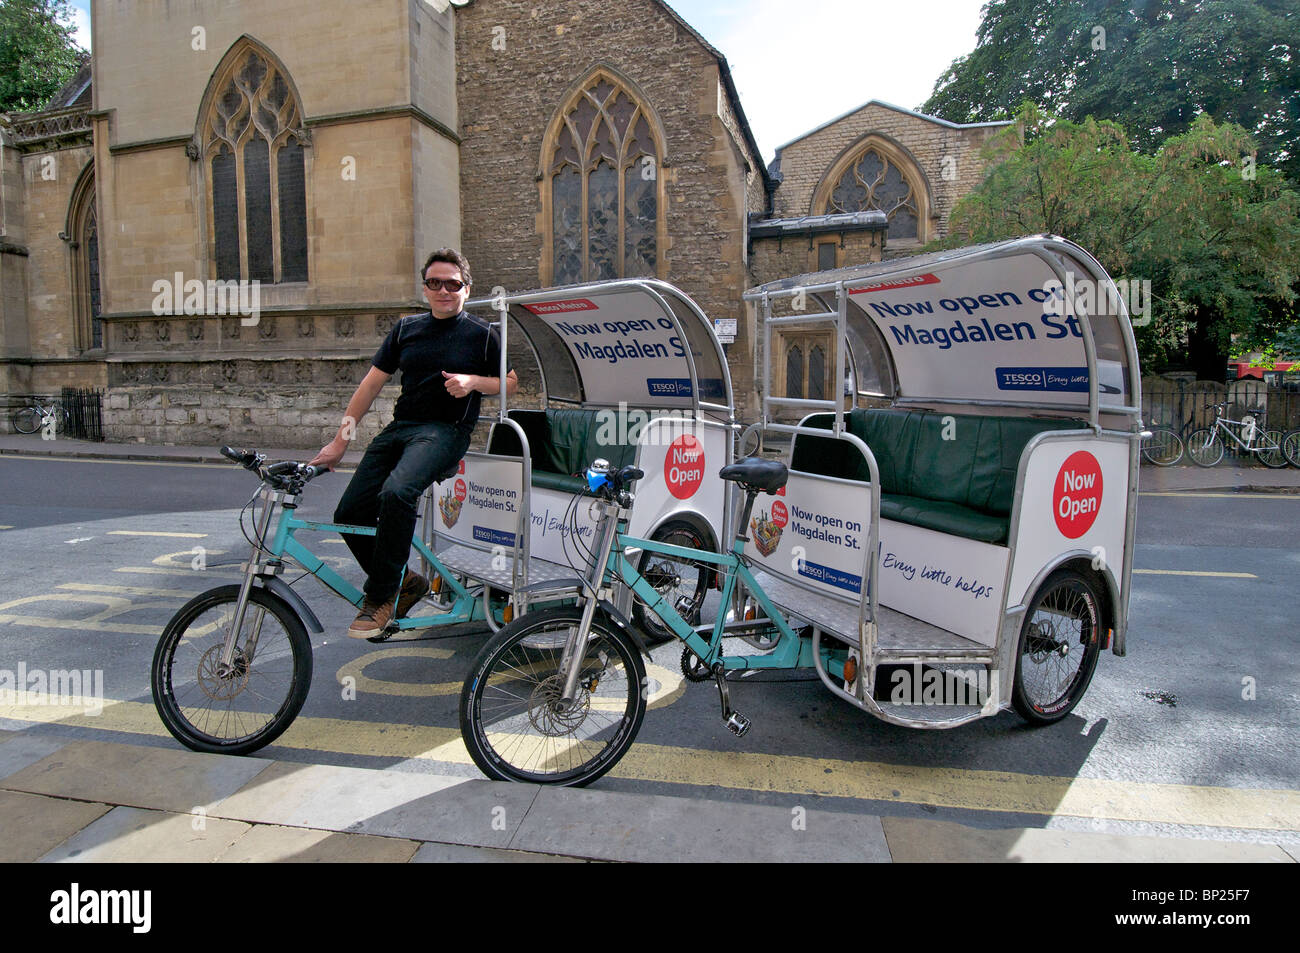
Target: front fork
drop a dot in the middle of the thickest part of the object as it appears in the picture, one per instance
(575, 645)
(226, 663)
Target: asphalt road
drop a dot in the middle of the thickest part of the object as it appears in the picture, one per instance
(97, 555)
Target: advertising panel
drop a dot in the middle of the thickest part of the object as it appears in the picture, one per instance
(481, 503)
(1075, 500)
(626, 348)
(814, 530)
(995, 330)
(945, 580)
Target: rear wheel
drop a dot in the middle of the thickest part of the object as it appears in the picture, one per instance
(27, 420)
(1059, 644)
(511, 716)
(682, 583)
(1271, 453)
(1205, 447)
(1164, 448)
(1291, 447)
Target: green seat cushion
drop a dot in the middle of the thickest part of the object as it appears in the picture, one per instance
(944, 517)
(954, 473)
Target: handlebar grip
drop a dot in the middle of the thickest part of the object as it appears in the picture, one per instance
(232, 454)
(280, 469)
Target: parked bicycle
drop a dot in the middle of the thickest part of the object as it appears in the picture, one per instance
(233, 666)
(1206, 446)
(1291, 447)
(1163, 447)
(36, 414)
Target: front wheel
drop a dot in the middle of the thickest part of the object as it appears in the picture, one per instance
(250, 705)
(1205, 447)
(513, 721)
(1059, 644)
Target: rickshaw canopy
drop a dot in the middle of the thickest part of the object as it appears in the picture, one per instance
(1033, 323)
(639, 342)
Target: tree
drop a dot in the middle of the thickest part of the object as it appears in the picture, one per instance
(37, 54)
(1218, 240)
(1153, 66)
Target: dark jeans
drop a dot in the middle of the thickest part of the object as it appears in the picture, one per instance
(400, 464)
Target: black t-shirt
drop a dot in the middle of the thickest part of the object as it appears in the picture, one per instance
(422, 347)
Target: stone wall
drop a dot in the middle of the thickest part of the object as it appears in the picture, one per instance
(947, 155)
(508, 97)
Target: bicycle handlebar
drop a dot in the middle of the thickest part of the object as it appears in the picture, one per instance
(279, 475)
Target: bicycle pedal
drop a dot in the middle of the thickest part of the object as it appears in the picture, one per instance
(383, 636)
(737, 723)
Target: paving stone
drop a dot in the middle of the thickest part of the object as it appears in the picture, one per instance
(476, 813)
(912, 840)
(269, 843)
(458, 854)
(129, 834)
(658, 829)
(327, 797)
(22, 748)
(34, 825)
(155, 778)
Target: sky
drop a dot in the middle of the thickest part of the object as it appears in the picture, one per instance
(798, 65)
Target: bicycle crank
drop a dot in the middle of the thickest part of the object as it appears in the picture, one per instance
(736, 723)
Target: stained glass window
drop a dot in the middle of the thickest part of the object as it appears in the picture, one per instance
(603, 176)
(875, 182)
(253, 149)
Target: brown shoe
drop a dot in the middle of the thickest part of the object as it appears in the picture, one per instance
(414, 588)
(372, 619)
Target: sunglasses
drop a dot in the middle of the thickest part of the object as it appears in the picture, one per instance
(448, 284)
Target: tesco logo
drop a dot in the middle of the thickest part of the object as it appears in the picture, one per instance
(1076, 496)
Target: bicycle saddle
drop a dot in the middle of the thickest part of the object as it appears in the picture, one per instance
(755, 472)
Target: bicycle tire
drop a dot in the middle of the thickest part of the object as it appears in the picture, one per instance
(508, 717)
(1291, 447)
(672, 578)
(204, 635)
(1270, 453)
(1048, 690)
(1205, 447)
(1163, 448)
(26, 420)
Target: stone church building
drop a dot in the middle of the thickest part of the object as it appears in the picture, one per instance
(323, 147)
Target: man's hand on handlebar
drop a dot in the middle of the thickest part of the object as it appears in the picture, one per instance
(329, 455)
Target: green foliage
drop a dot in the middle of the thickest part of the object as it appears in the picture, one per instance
(1153, 66)
(37, 54)
(1219, 240)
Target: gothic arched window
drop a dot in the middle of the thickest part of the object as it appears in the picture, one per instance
(876, 181)
(601, 177)
(252, 148)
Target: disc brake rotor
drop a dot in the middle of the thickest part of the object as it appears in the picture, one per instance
(222, 687)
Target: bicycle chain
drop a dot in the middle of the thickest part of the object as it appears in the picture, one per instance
(694, 671)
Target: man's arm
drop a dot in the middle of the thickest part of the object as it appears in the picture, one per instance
(458, 385)
(358, 407)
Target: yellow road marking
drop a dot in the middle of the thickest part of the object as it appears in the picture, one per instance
(141, 532)
(1190, 572)
(961, 789)
(1223, 496)
(81, 625)
(129, 590)
(153, 571)
(6, 527)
